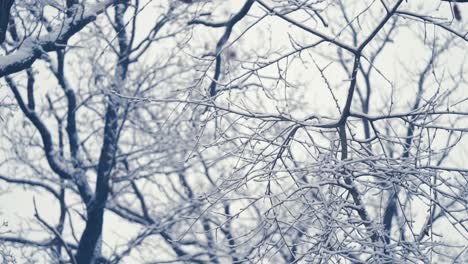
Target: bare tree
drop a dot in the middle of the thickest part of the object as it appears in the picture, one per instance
(235, 132)
(79, 124)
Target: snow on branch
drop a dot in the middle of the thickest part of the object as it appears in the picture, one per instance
(33, 47)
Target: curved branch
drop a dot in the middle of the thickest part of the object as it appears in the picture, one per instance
(222, 41)
(57, 167)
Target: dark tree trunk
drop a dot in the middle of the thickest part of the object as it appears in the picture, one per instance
(5, 6)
